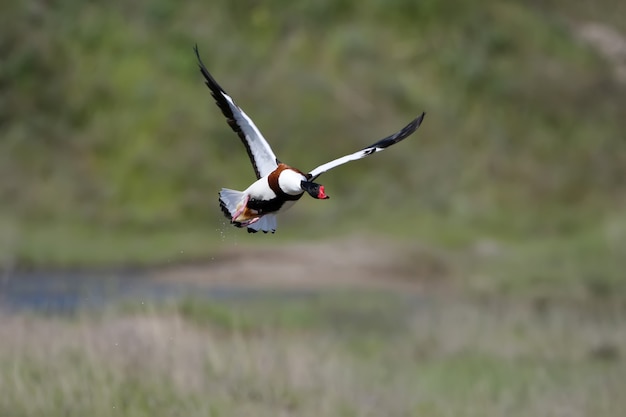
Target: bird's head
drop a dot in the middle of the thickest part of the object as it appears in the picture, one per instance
(314, 190)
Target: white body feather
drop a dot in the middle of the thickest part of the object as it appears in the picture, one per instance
(260, 190)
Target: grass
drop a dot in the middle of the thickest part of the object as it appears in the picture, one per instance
(552, 270)
(119, 159)
(580, 266)
(443, 357)
(511, 196)
(63, 245)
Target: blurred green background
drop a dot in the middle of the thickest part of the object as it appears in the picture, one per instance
(111, 144)
(509, 203)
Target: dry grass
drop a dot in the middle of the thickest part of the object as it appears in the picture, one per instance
(447, 357)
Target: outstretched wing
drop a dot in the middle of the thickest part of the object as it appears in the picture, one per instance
(261, 155)
(367, 151)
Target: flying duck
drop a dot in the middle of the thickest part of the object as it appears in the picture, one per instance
(278, 185)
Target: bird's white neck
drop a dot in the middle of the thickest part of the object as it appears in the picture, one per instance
(289, 181)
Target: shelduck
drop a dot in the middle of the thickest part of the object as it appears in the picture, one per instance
(278, 185)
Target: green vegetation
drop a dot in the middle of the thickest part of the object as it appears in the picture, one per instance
(507, 207)
(442, 357)
(113, 151)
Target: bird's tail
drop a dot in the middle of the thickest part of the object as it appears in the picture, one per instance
(230, 201)
(265, 224)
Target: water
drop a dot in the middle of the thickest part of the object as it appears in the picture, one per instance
(69, 292)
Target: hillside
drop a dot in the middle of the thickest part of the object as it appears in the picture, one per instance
(112, 149)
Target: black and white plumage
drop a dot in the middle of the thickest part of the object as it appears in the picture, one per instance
(278, 186)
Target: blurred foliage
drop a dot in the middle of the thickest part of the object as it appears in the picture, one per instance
(369, 355)
(106, 126)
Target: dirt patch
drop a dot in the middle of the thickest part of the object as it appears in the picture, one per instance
(348, 262)
(609, 43)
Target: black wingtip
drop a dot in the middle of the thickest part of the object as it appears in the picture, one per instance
(216, 89)
(200, 63)
(415, 123)
(412, 127)
(420, 119)
(406, 131)
(197, 52)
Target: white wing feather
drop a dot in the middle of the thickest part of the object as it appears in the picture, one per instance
(262, 155)
(381, 145)
(260, 152)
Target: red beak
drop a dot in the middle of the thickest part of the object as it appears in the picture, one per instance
(321, 195)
